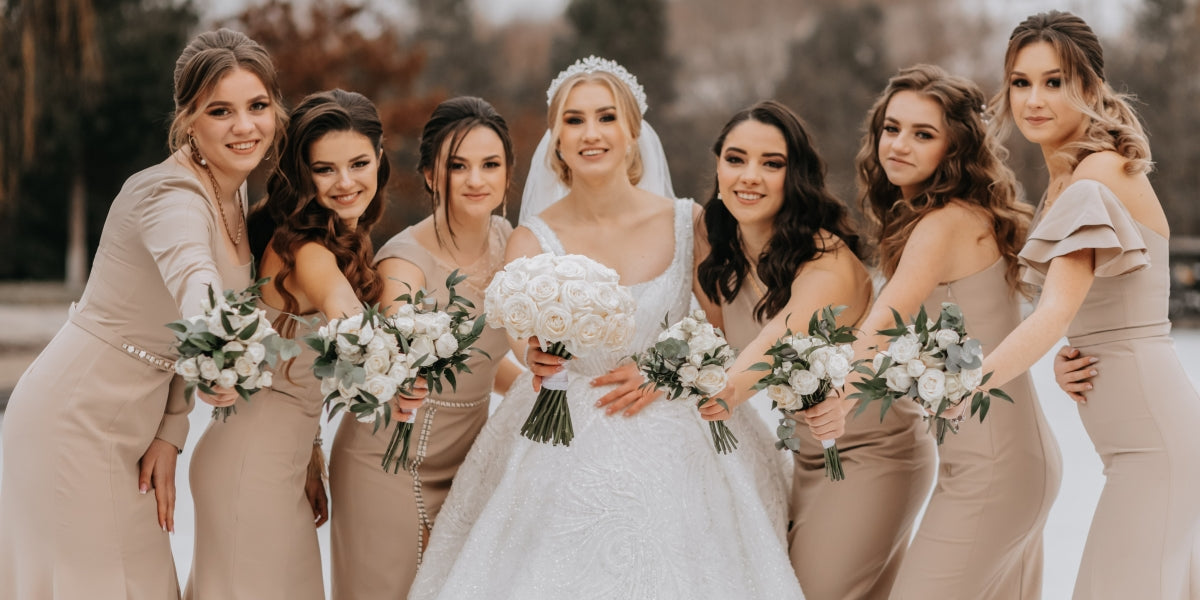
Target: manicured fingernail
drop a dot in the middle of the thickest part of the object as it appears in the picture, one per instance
(1093, 359)
(1089, 386)
(142, 489)
(598, 405)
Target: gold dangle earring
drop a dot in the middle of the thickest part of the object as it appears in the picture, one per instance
(191, 139)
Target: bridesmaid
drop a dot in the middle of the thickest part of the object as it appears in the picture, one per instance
(255, 511)
(382, 520)
(783, 247)
(93, 409)
(950, 226)
(1099, 251)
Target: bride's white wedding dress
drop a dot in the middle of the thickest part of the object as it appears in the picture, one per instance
(638, 507)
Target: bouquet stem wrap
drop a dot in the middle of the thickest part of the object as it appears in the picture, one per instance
(550, 419)
(833, 461)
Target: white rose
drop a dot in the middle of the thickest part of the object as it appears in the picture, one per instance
(847, 351)
(264, 328)
(517, 314)
(265, 379)
(972, 378)
(576, 295)
(251, 383)
(954, 387)
(446, 345)
(898, 379)
(905, 348)
(933, 361)
(256, 351)
(914, 368)
(354, 326)
(570, 269)
(376, 363)
(511, 281)
(945, 338)
(877, 360)
(380, 386)
(406, 325)
(619, 331)
(245, 366)
(931, 385)
(401, 372)
(377, 344)
(187, 368)
(688, 325)
(688, 374)
(542, 289)
(816, 363)
(608, 298)
(704, 341)
(589, 331)
(553, 323)
(347, 391)
(672, 333)
(215, 326)
(227, 378)
(422, 346)
(784, 397)
(712, 379)
(233, 347)
(837, 368)
(350, 353)
(345, 346)
(465, 327)
(804, 382)
(208, 369)
(801, 344)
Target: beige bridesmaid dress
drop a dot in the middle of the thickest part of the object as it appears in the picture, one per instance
(1143, 415)
(72, 523)
(255, 535)
(381, 520)
(847, 538)
(981, 536)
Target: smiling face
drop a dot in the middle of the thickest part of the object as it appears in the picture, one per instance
(751, 169)
(913, 142)
(1038, 97)
(591, 139)
(345, 173)
(235, 126)
(478, 174)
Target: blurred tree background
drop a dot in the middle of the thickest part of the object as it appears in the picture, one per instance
(86, 85)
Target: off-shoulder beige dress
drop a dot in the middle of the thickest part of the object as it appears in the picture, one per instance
(847, 538)
(380, 519)
(981, 536)
(1143, 415)
(72, 523)
(255, 537)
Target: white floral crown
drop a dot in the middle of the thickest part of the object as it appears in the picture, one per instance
(593, 64)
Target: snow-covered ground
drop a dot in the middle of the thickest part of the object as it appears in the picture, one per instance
(1066, 529)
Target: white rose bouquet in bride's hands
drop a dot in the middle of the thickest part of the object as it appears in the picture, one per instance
(804, 369)
(575, 307)
(935, 363)
(440, 340)
(231, 344)
(361, 366)
(688, 361)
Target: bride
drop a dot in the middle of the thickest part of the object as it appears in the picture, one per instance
(640, 505)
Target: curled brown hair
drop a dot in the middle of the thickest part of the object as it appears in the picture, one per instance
(291, 216)
(204, 62)
(1112, 123)
(629, 118)
(972, 171)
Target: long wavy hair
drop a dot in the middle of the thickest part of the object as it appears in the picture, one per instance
(629, 117)
(291, 216)
(808, 208)
(1112, 122)
(449, 124)
(972, 171)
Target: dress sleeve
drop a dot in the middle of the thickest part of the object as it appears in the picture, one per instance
(177, 229)
(1086, 215)
(173, 428)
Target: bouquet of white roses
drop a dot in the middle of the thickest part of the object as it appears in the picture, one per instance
(933, 362)
(361, 366)
(804, 369)
(574, 306)
(688, 361)
(230, 344)
(440, 340)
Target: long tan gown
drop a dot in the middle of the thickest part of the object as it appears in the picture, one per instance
(379, 519)
(847, 538)
(72, 523)
(1143, 414)
(255, 537)
(981, 536)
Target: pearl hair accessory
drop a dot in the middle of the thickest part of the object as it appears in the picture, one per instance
(593, 64)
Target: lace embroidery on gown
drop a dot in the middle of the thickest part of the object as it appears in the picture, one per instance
(639, 507)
